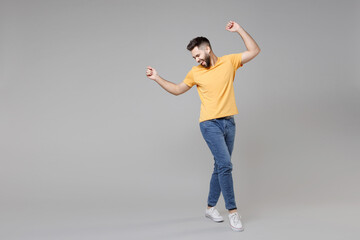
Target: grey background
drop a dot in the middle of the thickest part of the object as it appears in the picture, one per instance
(92, 149)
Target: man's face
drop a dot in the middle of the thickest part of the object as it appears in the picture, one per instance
(201, 55)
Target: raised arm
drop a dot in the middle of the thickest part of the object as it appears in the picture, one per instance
(251, 46)
(172, 88)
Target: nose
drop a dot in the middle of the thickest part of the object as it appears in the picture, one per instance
(197, 59)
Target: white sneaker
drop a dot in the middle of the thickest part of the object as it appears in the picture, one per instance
(235, 222)
(214, 215)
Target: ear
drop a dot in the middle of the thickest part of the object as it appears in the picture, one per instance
(208, 49)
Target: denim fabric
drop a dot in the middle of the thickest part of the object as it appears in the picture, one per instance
(219, 135)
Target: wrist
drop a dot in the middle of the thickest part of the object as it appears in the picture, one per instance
(157, 78)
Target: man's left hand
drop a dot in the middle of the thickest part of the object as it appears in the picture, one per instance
(232, 26)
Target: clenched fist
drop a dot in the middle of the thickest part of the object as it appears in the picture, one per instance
(232, 26)
(151, 73)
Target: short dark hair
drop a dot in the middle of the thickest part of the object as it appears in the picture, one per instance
(196, 42)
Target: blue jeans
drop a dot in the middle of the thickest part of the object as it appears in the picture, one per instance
(219, 135)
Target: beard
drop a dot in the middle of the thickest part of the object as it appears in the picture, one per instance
(207, 60)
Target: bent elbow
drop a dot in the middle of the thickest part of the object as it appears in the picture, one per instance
(177, 91)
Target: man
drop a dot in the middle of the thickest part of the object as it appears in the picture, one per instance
(214, 78)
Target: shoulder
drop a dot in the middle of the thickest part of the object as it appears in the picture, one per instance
(231, 55)
(226, 58)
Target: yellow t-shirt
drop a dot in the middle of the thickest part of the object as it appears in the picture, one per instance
(215, 86)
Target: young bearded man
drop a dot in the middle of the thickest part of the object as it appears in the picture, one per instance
(214, 77)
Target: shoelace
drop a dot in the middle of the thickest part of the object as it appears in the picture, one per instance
(235, 218)
(213, 211)
(216, 213)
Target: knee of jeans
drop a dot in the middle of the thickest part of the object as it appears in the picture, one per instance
(225, 167)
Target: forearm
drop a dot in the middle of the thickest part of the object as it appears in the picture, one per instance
(250, 43)
(167, 85)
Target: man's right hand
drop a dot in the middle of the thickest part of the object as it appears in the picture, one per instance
(171, 87)
(151, 73)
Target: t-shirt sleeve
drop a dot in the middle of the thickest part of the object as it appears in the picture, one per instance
(236, 60)
(189, 79)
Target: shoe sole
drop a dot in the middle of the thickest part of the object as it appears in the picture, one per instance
(237, 229)
(217, 221)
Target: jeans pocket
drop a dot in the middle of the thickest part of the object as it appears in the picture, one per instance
(232, 120)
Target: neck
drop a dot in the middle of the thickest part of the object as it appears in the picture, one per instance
(213, 59)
